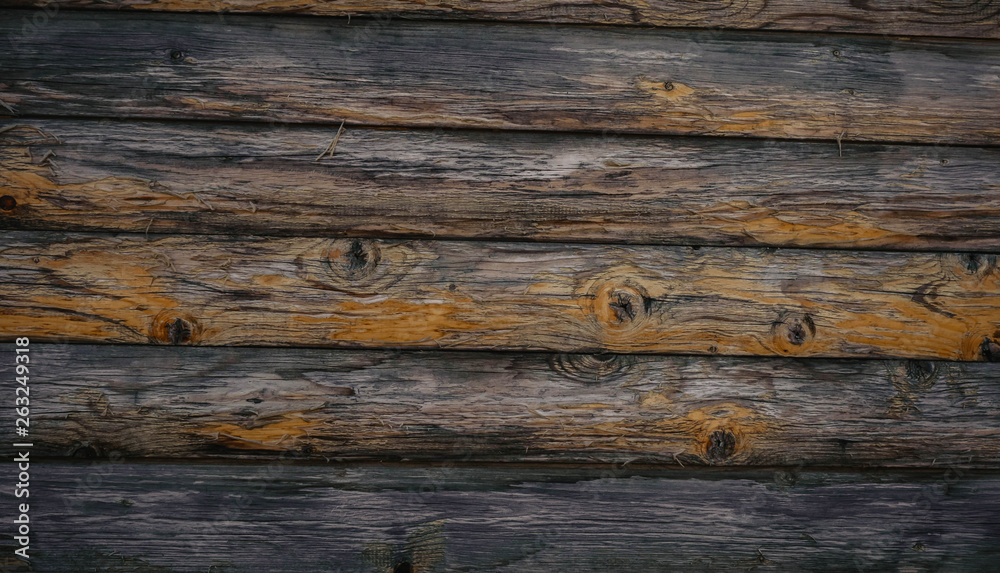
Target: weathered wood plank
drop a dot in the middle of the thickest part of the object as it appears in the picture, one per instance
(190, 403)
(197, 178)
(281, 517)
(970, 18)
(501, 76)
(358, 292)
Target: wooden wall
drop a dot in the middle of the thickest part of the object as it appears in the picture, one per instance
(390, 286)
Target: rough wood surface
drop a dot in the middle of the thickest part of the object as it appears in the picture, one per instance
(119, 517)
(501, 76)
(195, 403)
(967, 18)
(359, 292)
(196, 178)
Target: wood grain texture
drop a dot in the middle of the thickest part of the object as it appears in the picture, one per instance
(120, 517)
(196, 178)
(360, 292)
(501, 76)
(967, 18)
(198, 403)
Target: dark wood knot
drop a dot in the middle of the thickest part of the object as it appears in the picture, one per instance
(721, 445)
(978, 263)
(593, 368)
(621, 304)
(175, 328)
(8, 203)
(989, 350)
(920, 373)
(84, 450)
(791, 330)
(354, 259)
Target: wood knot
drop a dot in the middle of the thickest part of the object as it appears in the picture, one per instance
(910, 379)
(920, 373)
(720, 446)
(621, 304)
(175, 328)
(85, 450)
(358, 266)
(593, 368)
(354, 259)
(978, 263)
(989, 350)
(792, 330)
(8, 203)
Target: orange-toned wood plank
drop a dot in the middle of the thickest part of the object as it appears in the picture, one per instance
(357, 292)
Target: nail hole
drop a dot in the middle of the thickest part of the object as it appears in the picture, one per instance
(7, 203)
(836, 53)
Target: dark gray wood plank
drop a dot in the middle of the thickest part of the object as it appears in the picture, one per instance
(217, 290)
(282, 517)
(197, 178)
(502, 76)
(202, 403)
(969, 18)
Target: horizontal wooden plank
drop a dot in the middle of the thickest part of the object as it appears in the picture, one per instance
(359, 292)
(971, 18)
(281, 517)
(502, 76)
(194, 403)
(197, 178)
